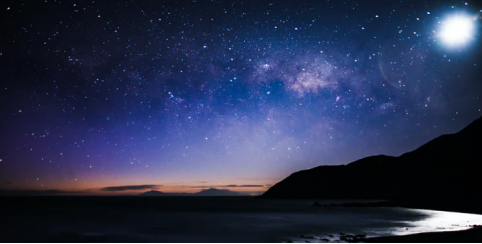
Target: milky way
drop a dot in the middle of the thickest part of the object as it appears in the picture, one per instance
(183, 95)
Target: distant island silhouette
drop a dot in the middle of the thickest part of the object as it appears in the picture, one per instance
(447, 168)
(208, 192)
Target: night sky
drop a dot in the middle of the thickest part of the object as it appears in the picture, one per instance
(120, 97)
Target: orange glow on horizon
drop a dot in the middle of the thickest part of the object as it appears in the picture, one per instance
(105, 188)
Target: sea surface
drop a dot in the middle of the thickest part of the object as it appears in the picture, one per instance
(213, 219)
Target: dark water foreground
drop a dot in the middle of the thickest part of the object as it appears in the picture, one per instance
(208, 219)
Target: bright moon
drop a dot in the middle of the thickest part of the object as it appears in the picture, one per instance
(457, 30)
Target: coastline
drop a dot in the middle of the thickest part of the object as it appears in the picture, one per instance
(63, 209)
(471, 207)
(472, 235)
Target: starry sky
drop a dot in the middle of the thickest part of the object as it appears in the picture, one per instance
(110, 97)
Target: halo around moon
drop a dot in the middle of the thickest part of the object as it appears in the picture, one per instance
(402, 64)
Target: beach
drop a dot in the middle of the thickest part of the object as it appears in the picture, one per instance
(473, 235)
(210, 219)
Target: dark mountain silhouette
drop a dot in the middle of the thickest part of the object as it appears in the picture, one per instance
(208, 192)
(448, 167)
(217, 192)
(157, 193)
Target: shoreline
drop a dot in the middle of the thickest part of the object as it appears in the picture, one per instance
(472, 235)
(474, 207)
(469, 233)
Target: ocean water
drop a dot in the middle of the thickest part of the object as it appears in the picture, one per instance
(229, 219)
